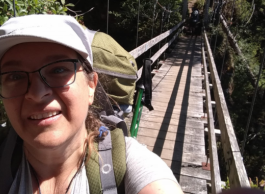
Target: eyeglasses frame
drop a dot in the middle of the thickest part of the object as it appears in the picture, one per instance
(74, 61)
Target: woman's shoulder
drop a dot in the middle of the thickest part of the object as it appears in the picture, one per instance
(143, 167)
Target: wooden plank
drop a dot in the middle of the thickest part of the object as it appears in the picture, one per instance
(193, 86)
(171, 128)
(177, 108)
(178, 147)
(174, 113)
(183, 91)
(160, 80)
(190, 110)
(185, 122)
(170, 117)
(228, 137)
(192, 185)
(176, 87)
(191, 158)
(181, 137)
(179, 101)
(190, 170)
(163, 97)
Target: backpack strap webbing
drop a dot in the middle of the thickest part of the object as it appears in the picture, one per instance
(118, 156)
(6, 179)
(92, 167)
(107, 177)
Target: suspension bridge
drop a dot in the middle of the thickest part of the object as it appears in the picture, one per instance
(190, 120)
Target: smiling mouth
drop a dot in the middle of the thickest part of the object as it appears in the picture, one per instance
(44, 115)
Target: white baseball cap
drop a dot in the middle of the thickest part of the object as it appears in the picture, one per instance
(60, 29)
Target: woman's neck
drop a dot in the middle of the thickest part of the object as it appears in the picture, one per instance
(55, 168)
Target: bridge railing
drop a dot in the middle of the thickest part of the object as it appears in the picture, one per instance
(149, 44)
(136, 53)
(214, 163)
(234, 164)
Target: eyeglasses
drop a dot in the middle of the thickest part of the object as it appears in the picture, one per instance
(56, 75)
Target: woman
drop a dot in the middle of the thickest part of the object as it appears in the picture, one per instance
(47, 86)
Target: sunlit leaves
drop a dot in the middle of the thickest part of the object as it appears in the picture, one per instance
(28, 7)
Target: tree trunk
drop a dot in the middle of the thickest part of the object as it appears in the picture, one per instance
(232, 42)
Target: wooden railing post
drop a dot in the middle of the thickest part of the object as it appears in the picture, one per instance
(234, 164)
(214, 163)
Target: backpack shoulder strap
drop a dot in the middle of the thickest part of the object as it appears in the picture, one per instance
(102, 175)
(11, 152)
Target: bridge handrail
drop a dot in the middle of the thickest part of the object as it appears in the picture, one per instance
(214, 163)
(234, 164)
(147, 45)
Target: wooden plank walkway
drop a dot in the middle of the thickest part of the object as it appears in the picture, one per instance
(175, 129)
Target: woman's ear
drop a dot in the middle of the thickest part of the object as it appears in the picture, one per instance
(92, 84)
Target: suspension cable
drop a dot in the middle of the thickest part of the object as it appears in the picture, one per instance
(164, 8)
(219, 6)
(252, 105)
(108, 17)
(139, 4)
(14, 7)
(226, 47)
(153, 22)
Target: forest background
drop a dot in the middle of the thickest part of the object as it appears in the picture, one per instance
(245, 18)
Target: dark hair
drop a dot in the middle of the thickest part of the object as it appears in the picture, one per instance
(92, 120)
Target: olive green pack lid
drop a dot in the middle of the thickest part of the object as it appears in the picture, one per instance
(111, 58)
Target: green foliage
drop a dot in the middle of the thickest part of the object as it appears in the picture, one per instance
(28, 7)
(123, 16)
(227, 184)
(248, 27)
(199, 4)
(253, 185)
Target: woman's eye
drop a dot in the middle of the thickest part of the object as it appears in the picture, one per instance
(59, 70)
(15, 76)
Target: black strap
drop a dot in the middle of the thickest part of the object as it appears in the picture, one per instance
(6, 177)
(114, 120)
(146, 82)
(107, 177)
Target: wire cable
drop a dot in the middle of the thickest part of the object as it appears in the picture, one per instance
(108, 17)
(14, 7)
(139, 4)
(252, 105)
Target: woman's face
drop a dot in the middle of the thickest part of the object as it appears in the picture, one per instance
(30, 114)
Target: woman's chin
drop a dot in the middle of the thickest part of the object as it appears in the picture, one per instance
(49, 141)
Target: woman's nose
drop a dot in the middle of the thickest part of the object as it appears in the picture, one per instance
(37, 88)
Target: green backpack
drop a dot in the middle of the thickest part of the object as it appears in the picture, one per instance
(116, 67)
(11, 155)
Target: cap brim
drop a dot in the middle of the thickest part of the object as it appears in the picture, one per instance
(9, 41)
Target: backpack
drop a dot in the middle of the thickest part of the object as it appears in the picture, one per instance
(195, 16)
(111, 150)
(117, 69)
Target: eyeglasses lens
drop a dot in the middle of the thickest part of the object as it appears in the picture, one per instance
(55, 75)
(13, 84)
(59, 74)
